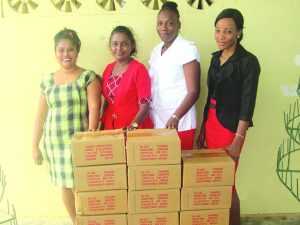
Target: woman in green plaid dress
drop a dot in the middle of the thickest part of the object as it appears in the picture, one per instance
(70, 101)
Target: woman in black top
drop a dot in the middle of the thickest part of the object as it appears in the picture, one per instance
(232, 85)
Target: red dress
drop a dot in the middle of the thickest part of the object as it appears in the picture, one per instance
(134, 86)
(216, 135)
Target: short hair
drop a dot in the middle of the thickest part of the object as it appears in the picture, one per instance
(170, 6)
(129, 33)
(67, 34)
(236, 16)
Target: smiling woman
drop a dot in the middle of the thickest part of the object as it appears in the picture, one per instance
(69, 102)
(232, 85)
(175, 78)
(126, 85)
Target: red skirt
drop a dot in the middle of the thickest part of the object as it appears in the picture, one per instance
(216, 135)
(187, 139)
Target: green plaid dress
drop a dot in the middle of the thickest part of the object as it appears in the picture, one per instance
(67, 113)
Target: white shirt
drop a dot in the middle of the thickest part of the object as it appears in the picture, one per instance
(168, 85)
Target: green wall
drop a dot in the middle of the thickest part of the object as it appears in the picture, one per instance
(26, 53)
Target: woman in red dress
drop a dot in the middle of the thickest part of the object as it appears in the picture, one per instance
(232, 85)
(126, 85)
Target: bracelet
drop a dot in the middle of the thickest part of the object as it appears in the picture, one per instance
(175, 117)
(239, 135)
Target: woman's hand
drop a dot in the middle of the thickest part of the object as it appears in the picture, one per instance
(129, 128)
(234, 149)
(92, 129)
(38, 129)
(201, 138)
(132, 126)
(37, 156)
(172, 123)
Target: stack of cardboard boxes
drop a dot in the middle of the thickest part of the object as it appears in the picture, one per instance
(100, 177)
(208, 176)
(165, 186)
(154, 177)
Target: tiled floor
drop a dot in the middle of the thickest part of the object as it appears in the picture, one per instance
(289, 219)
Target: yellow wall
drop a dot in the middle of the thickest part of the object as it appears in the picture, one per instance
(26, 53)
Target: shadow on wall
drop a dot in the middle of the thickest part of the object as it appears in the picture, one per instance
(7, 210)
(288, 158)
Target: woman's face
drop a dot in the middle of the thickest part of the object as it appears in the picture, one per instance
(226, 34)
(167, 26)
(66, 53)
(120, 46)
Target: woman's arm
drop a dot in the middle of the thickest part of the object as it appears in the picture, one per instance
(141, 115)
(192, 75)
(104, 107)
(251, 69)
(40, 118)
(94, 92)
(234, 149)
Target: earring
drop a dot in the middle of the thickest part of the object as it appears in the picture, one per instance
(238, 37)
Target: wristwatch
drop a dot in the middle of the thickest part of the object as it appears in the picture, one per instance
(135, 125)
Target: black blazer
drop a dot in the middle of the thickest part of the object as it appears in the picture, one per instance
(235, 90)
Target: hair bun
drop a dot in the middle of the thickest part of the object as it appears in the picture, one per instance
(169, 5)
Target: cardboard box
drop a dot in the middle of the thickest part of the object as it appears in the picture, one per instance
(96, 178)
(98, 148)
(207, 168)
(205, 217)
(153, 147)
(115, 219)
(154, 219)
(101, 202)
(153, 201)
(218, 197)
(154, 177)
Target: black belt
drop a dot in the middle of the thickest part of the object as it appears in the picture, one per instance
(211, 105)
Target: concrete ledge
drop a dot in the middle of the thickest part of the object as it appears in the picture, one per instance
(271, 219)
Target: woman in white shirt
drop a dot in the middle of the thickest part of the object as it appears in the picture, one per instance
(175, 77)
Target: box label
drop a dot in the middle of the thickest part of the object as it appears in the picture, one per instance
(104, 151)
(157, 221)
(101, 202)
(207, 198)
(108, 203)
(171, 218)
(104, 177)
(154, 202)
(98, 148)
(204, 175)
(114, 219)
(148, 153)
(95, 179)
(159, 178)
(205, 217)
(153, 147)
